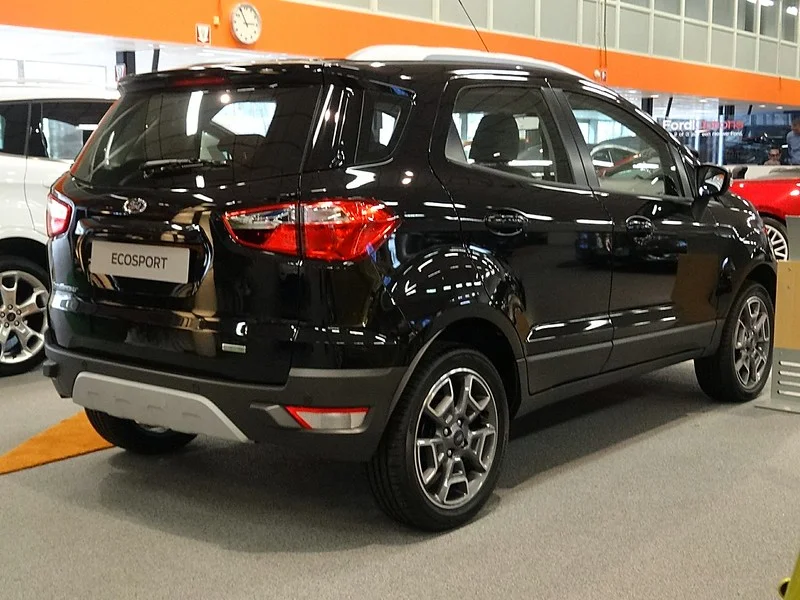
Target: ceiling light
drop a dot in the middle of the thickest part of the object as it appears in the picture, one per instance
(703, 100)
(779, 107)
(792, 10)
(762, 106)
(762, 2)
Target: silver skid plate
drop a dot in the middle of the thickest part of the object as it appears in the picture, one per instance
(153, 405)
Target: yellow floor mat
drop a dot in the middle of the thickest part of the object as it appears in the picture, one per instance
(71, 437)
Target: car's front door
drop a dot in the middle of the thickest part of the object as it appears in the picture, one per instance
(529, 220)
(665, 256)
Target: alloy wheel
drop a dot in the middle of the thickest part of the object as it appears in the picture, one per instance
(752, 343)
(778, 241)
(456, 438)
(23, 316)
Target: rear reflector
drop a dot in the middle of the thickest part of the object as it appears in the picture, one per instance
(328, 418)
(332, 230)
(59, 213)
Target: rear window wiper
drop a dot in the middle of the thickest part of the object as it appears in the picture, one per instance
(167, 166)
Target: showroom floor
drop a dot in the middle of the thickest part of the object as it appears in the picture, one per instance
(644, 490)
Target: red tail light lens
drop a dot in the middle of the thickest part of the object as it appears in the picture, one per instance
(59, 214)
(332, 230)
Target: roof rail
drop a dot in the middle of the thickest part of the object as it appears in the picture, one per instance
(390, 53)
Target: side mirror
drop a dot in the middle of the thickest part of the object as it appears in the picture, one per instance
(712, 181)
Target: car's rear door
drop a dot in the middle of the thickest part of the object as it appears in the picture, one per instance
(537, 234)
(171, 258)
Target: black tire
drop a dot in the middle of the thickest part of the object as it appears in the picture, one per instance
(15, 263)
(780, 229)
(393, 475)
(136, 438)
(716, 374)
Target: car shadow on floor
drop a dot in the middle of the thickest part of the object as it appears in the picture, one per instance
(588, 425)
(256, 498)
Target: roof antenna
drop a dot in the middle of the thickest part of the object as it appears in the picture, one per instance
(480, 37)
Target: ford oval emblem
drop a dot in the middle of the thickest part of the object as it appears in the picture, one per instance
(134, 206)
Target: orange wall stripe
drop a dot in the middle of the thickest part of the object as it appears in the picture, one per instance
(297, 28)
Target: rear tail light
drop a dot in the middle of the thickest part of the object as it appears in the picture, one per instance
(332, 230)
(59, 213)
(328, 418)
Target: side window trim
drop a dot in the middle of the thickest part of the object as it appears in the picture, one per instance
(565, 132)
(567, 116)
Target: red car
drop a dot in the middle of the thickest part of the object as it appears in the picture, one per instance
(775, 195)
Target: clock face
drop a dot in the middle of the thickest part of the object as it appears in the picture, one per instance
(246, 23)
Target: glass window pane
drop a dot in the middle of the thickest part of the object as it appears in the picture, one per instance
(66, 126)
(747, 16)
(789, 9)
(508, 130)
(643, 163)
(769, 20)
(249, 133)
(722, 13)
(697, 9)
(645, 3)
(670, 6)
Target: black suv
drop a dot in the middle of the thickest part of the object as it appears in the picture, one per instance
(385, 261)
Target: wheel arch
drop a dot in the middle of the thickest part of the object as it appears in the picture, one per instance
(485, 330)
(766, 276)
(23, 247)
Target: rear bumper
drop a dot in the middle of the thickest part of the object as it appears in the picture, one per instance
(244, 412)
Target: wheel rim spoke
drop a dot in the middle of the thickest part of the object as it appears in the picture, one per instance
(35, 304)
(456, 438)
(435, 447)
(8, 288)
(4, 335)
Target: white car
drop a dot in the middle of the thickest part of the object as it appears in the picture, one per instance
(41, 132)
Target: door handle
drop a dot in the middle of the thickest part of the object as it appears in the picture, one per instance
(639, 226)
(505, 223)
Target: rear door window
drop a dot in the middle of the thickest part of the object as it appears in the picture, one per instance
(507, 129)
(13, 125)
(193, 138)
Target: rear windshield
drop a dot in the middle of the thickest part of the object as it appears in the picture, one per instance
(193, 138)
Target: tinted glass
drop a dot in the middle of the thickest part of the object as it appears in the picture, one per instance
(64, 127)
(507, 129)
(643, 161)
(168, 138)
(13, 124)
(383, 116)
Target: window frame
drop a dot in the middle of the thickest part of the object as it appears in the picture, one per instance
(650, 125)
(458, 84)
(27, 104)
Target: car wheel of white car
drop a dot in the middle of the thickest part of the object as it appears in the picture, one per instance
(778, 239)
(24, 292)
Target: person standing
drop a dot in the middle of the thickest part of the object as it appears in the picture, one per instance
(793, 141)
